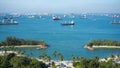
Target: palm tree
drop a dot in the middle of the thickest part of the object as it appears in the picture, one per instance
(48, 58)
(73, 58)
(112, 56)
(81, 57)
(60, 56)
(43, 55)
(96, 58)
(55, 54)
(76, 58)
(31, 53)
(4, 48)
(13, 48)
(106, 58)
(118, 56)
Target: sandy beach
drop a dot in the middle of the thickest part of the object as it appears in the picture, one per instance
(94, 47)
(105, 46)
(26, 46)
(89, 48)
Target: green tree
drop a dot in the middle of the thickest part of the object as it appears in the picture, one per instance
(53, 65)
(55, 54)
(43, 55)
(48, 58)
(60, 56)
(73, 58)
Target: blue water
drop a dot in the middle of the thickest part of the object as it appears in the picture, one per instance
(67, 40)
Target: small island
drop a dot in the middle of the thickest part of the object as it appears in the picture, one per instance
(17, 42)
(102, 44)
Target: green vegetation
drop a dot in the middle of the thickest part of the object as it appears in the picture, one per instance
(44, 56)
(13, 41)
(53, 65)
(60, 56)
(94, 63)
(13, 61)
(103, 43)
(54, 54)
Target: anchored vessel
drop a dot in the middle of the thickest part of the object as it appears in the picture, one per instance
(115, 22)
(69, 23)
(8, 21)
(83, 16)
(56, 18)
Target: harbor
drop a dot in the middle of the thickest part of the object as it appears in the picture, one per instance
(69, 39)
(60, 34)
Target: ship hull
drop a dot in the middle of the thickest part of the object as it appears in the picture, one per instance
(66, 24)
(8, 23)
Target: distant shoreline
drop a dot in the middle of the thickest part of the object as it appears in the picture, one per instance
(22, 43)
(95, 47)
(26, 46)
(106, 43)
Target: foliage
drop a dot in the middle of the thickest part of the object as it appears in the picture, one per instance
(94, 63)
(16, 41)
(53, 65)
(60, 56)
(103, 43)
(44, 56)
(54, 54)
(12, 61)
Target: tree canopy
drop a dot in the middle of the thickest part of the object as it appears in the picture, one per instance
(103, 43)
(12, 61)
(9, 41)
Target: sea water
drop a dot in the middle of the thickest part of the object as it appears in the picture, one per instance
(68, 40)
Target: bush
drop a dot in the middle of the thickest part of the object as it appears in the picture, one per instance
(103, 43)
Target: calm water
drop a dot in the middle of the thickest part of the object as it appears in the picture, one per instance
(67, 40)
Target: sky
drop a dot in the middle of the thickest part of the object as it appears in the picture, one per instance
(59, 6)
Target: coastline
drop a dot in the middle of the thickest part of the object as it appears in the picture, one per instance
(64, 63)
(26, 46)
(2, 53)
(88, 47)
(106, 46)
(96, 47)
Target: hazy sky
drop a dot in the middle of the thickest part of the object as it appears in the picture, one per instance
(59, 6)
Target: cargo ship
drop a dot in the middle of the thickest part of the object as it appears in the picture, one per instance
(8, 21)
(69, 23)
(115, 22)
